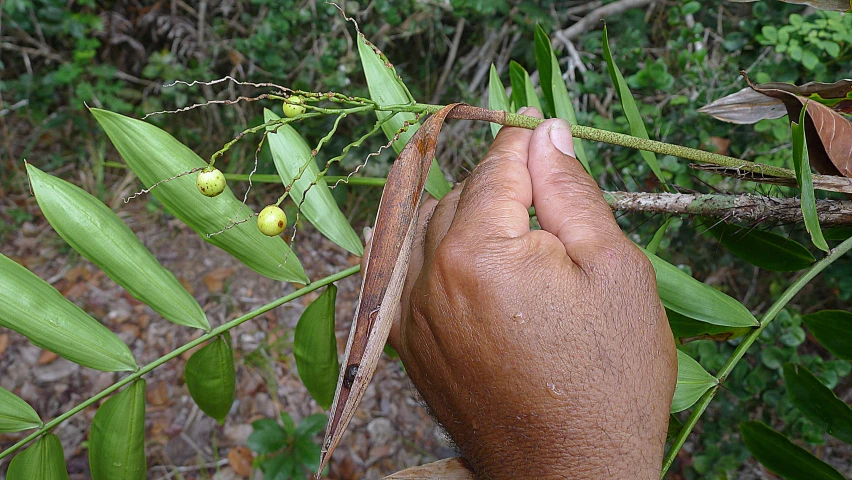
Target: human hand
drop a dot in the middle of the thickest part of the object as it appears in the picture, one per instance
(543, 353)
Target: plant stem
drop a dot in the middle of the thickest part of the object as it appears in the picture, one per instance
(747, 342)
(747, 209)
(273, 178)
(169, 356)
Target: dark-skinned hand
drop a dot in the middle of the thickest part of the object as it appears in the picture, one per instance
(543, 353)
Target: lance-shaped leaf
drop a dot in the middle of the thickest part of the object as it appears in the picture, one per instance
(386, 268)
(117, 436)
(154, 155)
(211, 378)
(745, 107)
(497, 99)
(554, 90)
(315, 348)
(829, 134)
(654, 244)
(31, 307)
(750, 106)
(833, 329)
(836, 5)
(777, 453)
(688, 330)
(817, 402)
(764, 249)
(523, 92)
(43, 460)
(16, 414)
(291, 155)
(687, 296)
(96, 232)
(806, 184)
(386, 88)
(631, 111)
(692, 382)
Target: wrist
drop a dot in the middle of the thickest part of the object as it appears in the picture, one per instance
(542, 447)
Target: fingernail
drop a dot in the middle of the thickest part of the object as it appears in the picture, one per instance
(522, 110)
(561, 138)
(368, 234)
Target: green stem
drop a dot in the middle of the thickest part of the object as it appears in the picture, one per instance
(175, 353)
(747, 342)
(272, 178)
(624, 140)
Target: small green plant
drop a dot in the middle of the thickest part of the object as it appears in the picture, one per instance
(285, 450)
(814, 41)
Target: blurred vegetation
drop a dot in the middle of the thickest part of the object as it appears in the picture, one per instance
(59, 56)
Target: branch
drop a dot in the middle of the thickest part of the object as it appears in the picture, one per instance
(748, 209)
(594, 17)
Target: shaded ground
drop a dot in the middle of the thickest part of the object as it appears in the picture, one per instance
(391, 430)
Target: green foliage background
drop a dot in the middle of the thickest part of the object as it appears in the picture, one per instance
(676, 57)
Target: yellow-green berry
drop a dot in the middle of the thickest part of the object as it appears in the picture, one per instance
(272, 220)
(210, 182)
(293, 107)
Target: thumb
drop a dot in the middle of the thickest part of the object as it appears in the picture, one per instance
(567, 200)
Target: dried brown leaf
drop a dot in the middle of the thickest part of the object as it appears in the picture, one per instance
(829, 134)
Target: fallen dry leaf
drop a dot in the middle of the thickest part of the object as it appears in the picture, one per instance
(158, 394)
(47, 357)
(240, 458)
(4, 342)
(829, 134)
(446, 469)
(721, 145)
(215, 280)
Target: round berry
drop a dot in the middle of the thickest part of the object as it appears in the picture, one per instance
(210, 182)
(293, 107)
(272, 220)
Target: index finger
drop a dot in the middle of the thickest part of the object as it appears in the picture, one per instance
(498, 193)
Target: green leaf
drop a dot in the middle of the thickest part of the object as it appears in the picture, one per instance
(96, 232)
(833, 329)
(554, 90)
(692, 382)
(211, 378)
(687, 296)
(267, 437)
(654, 244)
(315, 348)
(675, 426)
(386, 88)
(517, 77)
(838, 234)
(311, 425)
(688, 329)
(805, 180)
(154, 155)
(763, 249)
(43, 460)
(117, 437)
(16, 414)
(523, 92)
(628, 103)
(31, 307)
(290, 154)
(818, 403)
(532, 97)
(497, 99)
(780, 455)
